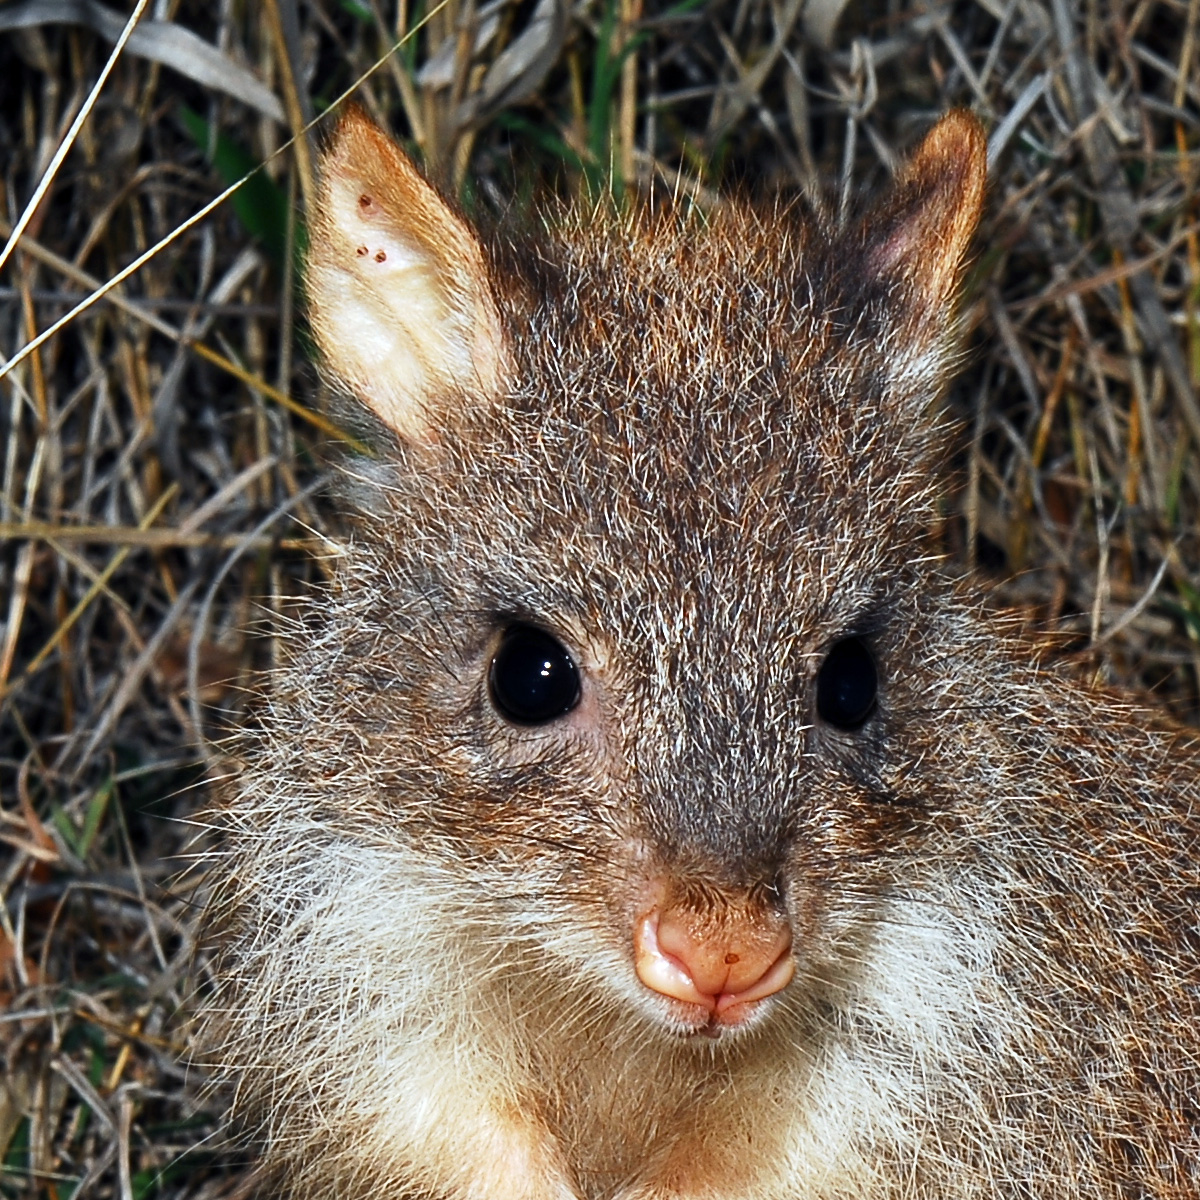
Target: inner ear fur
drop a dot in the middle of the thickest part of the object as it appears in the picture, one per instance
(400, 298)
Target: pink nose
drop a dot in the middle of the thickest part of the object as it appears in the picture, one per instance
(715, 963)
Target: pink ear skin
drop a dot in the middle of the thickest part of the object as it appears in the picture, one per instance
(920, 235)
(401, 302)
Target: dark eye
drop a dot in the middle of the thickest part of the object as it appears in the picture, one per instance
(846, 685)
(532, 679)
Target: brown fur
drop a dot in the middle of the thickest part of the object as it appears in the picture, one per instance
(700, 452)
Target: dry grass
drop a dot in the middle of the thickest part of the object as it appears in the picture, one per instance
(160, 451)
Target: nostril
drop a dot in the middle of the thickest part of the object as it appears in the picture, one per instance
(660, 970)
(774, 979)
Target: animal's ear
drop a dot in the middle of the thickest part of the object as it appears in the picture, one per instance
(400, 299)
(917, 239)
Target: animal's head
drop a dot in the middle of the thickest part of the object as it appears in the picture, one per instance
(637, 649)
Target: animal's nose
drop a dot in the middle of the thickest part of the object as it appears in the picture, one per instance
(715, 957)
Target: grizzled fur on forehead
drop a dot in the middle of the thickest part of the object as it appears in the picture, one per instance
(698, 392)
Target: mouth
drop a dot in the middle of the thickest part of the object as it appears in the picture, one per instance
(696, 1023)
